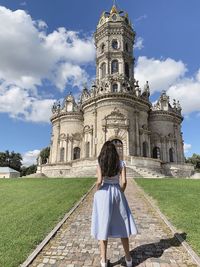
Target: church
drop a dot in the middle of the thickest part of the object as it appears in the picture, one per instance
(147, 136)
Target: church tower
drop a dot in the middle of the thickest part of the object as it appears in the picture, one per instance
(114, 39)
(115, 108)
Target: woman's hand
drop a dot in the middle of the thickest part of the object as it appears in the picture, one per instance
(99, 178)
(123, 179)
(98, 185)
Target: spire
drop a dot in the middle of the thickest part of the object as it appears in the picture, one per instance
(114, 8)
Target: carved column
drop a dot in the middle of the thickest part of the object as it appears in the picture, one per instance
(69, 149)
(162, 154)
(175, 155)
(95, 131)
(72, 142)
(66, 151)
(127, 137)
(92, 142)
(149, 145)
(66, 144)
(58, 143)
(137, 138)
(90, 155)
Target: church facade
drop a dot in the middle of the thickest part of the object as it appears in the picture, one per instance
(115, 108)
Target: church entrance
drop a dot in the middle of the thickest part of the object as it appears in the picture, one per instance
(119, 146)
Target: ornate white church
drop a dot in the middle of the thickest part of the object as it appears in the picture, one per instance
(148, 137)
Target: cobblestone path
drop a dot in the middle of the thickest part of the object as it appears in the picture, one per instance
(154, 246)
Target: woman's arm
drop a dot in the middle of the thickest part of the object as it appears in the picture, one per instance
(99, 178)
(123, 178)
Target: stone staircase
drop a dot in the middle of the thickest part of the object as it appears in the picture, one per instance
(131, 173)
(147, 173)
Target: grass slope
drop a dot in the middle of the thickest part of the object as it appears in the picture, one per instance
(29, 210)
(179, 200)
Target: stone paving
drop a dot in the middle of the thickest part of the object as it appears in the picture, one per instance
(154, 246)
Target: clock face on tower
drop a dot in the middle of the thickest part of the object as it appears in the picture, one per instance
(115, 44)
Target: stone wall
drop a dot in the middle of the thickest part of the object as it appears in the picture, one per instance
(178, 170)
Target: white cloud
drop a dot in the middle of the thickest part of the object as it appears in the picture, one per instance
(29, 56)
(170, 75)
(139, 43)
(70, 74)
(20, 104)
(29, 158)
(141, 18)
(187, 91)
(160, 73)
(23, 3)
(41, 24)
(187, 147)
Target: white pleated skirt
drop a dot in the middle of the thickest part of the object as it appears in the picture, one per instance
(111, 215)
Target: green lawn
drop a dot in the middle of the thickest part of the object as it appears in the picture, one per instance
(29, 210)
(179, 200)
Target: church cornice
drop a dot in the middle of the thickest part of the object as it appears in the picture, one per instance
(114, 96)
(114, 30)
(161, 115)
(68, 115)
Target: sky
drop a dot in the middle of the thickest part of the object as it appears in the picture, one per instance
(47, 50)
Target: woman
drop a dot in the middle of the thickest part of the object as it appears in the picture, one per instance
(111, 215)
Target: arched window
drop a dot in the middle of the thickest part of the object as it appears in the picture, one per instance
(76, 153)
(114, 66)
(103, 70)
(102, 48)
(156, 152)
(62, 154)
(87, 150)
(127, 70)
(115, 88)
(115, 44)
(171, 155)
(145, 149)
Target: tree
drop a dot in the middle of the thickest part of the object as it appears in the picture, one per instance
(2, 159)
(31, 169)
(195, 160)
(12, 160)
(28, 170)
(44, 154)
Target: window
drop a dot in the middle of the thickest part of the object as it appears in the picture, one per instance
(62, 154)
(102, 48)
(87, 149)
(115, 44)
(103, 70)
(114, 66)
(114, 17)
(156, 153)
(171, 155)
(76, 153)
(127, 70)
(115, 87)
(145, 149)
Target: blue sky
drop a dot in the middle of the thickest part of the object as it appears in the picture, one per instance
(39, 62)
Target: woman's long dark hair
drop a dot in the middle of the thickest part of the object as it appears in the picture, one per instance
(109, 160)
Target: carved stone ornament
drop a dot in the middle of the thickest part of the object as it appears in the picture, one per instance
(62, 136)
(77, 136)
